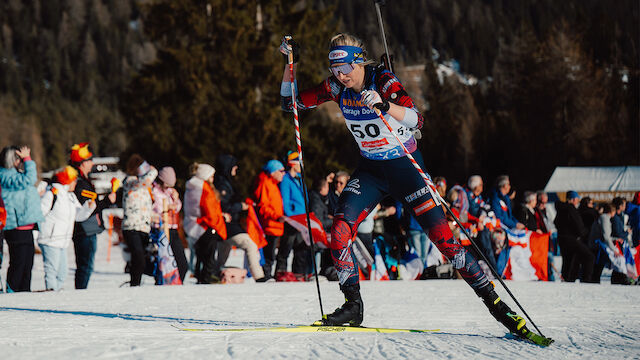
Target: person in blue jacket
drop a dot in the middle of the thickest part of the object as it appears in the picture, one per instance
(633, 210)
(501, 203)
(293, 204)
(18, 177)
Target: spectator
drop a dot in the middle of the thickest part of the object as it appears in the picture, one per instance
(417, 237)
(494, 245)
(340, 181)
(3, 221)
(477, 206)
(544, 221)
(633, 210)
(619, 233)
(599, 239)
(319, 205)
(572, 238)
(441, 186)
(527, 213)
(501, 203)
(236, 235)
(294, 204)
(18, 176)
(138, 209)
(61, 209)
(587, 212)
(85, 232)
(205, 222)
(164, 194)
(270, 211)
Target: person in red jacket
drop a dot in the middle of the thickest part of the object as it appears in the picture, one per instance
(270, 210)
(204, 220)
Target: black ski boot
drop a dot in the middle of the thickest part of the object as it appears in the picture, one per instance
(501, 311)
(350, 313)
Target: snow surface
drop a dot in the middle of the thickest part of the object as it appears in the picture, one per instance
(109, 321)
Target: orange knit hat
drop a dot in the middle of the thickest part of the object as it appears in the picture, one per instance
(80, 152)
(67, 175)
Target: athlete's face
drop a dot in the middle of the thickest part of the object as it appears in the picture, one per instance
(353, 79)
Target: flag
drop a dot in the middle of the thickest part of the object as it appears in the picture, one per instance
(528, 255)
(299, 222)
(630, 255)
(254, 229)
(167, 267)
(379, 270)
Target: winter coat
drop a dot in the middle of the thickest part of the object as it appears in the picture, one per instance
(3, 212)
(21, 199)
(137, 202)
(528, 218)
(633, 211)
(269, 202)
(588, 215)
(569, 222)
(228, 201)
(501, 206)
(92, 225)
(617, 227)
(60, 216)
(202, 210)
(292, 198)
(160, 195)
(319, 205)
(601, 230)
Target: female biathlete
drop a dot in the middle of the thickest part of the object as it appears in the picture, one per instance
(358, 87)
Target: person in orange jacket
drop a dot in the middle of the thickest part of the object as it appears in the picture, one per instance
(204, 220)
(270, 210)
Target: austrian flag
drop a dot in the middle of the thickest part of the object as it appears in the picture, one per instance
(299, 222)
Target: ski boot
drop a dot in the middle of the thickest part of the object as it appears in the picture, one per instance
(507, 317)
(350, 313)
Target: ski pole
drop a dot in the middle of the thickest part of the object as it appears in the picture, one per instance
(437, 198)
(384, 38)
(304, 186)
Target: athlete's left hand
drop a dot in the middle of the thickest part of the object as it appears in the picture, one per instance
(372, 99)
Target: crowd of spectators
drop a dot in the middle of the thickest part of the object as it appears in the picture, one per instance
(210, 215)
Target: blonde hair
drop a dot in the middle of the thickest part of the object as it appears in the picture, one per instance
(344, 39)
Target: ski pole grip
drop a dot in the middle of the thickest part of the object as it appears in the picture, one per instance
(288, 38)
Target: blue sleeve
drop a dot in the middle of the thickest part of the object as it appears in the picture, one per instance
(504, 216)
(15, 180)
(474, 208)
(285, 191)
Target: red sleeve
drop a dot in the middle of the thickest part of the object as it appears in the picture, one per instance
(328, 90)
(392, 90)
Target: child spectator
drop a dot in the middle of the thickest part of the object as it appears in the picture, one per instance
(61, 210)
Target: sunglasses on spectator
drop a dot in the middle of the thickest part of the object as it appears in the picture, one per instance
(344, 69)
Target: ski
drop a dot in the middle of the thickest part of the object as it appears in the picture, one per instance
(312, 328)
(538, 339)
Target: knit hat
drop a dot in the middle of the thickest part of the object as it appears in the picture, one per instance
(272, 166)
(205, 171)
(67, 175)
(293, 156)
(168, 176)
(572, 195)
(80, 152)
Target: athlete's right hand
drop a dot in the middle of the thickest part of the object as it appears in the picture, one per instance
(289, 46)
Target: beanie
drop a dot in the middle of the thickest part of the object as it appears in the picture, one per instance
(168, 176)
(80, 152)
(272, 166)
(67, 175)
(205, 171)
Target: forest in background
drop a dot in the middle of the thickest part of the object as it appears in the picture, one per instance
(183, 81)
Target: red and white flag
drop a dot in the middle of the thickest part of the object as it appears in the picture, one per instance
(299, 222)
(528, 255)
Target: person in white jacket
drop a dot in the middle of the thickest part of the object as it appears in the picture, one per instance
(61, 210)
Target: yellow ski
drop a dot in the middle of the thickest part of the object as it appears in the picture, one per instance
(310, 328)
